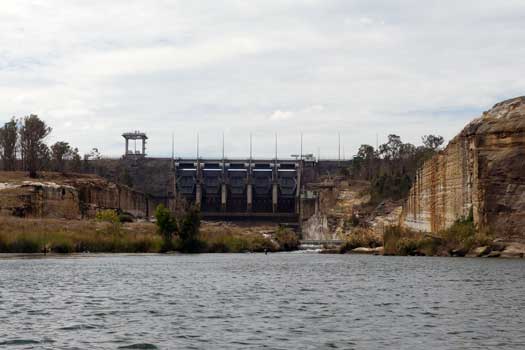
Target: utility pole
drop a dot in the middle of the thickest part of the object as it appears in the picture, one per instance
(223, 146)
(197, 146)
(172, 148)
(250, 148)
(301, 154)
(339, 148)
(276, 148)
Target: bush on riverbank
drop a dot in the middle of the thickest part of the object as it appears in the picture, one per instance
(227, 242)
(457, 240)
(27, 235)
(360, 238)
(287, 239)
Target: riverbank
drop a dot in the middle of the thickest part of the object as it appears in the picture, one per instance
(61, 236)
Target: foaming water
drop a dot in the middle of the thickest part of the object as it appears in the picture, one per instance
(275, 301)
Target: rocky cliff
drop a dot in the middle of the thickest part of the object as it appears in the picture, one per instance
(480, 172)
(69, 197)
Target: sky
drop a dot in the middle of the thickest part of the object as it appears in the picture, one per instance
(359, 68)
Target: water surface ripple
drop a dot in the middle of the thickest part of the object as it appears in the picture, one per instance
(253, 301)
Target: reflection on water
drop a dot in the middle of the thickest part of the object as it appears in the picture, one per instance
(278, 301)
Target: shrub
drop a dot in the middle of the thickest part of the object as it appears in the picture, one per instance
(260, 244)
(190, 225)
(407, 246)
(125, 217)
(3, 244)
(391, 236)
(146, 245)
(464, 235)
(25, 244)
(167, 226)
(192, 246)
(360, 238)
(286, 239)
(107, 215)
(228, 244)
(63, 246)
(110, 217)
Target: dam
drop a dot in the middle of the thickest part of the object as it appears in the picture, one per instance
(247, 189)
(229, 189)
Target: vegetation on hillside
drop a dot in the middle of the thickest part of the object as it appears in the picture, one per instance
(392, 167)
(23, 147)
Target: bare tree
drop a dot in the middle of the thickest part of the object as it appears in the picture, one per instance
(33, 131)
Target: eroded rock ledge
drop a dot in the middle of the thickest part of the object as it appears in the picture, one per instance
(69, 197)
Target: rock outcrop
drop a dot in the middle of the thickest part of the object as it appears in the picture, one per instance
(69, 197)
(480, 172)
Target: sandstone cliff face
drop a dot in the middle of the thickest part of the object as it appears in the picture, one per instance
(482, 170)
(69, 198)
(96, 193)
(39, 199)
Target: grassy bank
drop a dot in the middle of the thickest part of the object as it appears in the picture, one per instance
(457, 240)
(75, 236)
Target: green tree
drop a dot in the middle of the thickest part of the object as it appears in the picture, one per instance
(364, 162)
(76, 161)
(392, 149)
(60, 151)
(32, 134)
(191, 223)
(432, 142)
(167, 226)
(8, 141)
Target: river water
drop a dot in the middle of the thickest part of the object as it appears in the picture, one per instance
(275, 301)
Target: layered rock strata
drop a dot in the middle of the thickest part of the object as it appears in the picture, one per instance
(481, 173)
(70, 198)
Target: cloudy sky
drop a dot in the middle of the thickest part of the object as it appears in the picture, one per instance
(94, 69)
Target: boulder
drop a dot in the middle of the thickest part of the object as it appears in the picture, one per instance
(493, 254)
(479, 251)
(514, 250)
(459, 252)
(379, 251)
(363, 250)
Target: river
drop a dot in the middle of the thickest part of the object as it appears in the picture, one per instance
(256, 301)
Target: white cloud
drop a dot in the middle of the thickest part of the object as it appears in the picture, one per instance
(281, 115)
(95, 69)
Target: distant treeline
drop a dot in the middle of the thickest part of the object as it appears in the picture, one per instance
(23, 147)
(392, 168)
